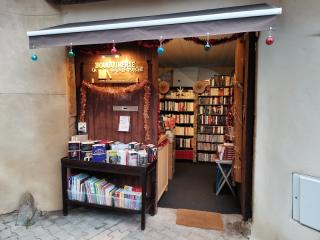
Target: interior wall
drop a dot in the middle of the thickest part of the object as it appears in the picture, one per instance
(189, 75)
(33, 119)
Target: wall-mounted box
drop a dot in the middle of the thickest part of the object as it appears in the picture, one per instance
(306, 200)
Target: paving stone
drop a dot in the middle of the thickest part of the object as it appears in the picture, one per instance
(117, 235)
(88, 224)
(6, 233)
(2, 226)
(103, 236)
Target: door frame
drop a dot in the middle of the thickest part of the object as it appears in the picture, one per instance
(248, 126)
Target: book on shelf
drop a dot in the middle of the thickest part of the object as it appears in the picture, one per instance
(221, 92)
(184, 118)
(211, 129)
(189, 131)
(184, 143)
(207, 110)
(206, 157)
(85, 188)
(176, 106)
(210, 138)
(212, 120)
(221, 81)
(216, 100)
(207, 146)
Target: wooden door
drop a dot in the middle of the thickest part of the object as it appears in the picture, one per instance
(238, 108)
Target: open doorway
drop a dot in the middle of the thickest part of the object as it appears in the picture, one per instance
(203, 121)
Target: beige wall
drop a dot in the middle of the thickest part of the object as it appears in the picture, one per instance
(287, 122)
(33, 108)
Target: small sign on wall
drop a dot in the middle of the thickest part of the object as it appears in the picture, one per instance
(82, 127)
(124, 124)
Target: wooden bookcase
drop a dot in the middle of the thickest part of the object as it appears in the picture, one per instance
(120, 174)
(213, 109)
(185, 120)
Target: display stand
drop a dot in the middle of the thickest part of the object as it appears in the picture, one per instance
(145, 174)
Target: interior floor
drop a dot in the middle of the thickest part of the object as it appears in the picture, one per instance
(193, 187)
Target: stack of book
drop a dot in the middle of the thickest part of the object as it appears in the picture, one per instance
(132, 154)
(226, 151)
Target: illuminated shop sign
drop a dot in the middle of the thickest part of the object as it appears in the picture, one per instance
(118, 71)
(122, 66)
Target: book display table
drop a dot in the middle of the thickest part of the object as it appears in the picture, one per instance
(145, 176)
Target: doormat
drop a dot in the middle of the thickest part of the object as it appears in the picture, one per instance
(199, 219)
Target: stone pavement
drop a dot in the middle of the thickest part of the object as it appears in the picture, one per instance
(105, 225)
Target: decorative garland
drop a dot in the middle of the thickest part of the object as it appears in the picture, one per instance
(83, 102)
(215, 42)
(146, 111)
(105, 49)
(117, 92)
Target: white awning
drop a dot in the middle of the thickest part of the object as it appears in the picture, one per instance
(187, 24)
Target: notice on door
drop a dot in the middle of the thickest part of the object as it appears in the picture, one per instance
(124, 124)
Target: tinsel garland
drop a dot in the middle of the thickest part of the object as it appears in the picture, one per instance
(83, 103)
(118, 92)
(146, 111)
(214, 41)
(113, 90)
(105, 49)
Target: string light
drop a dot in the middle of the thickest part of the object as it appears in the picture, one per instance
(160, 49)
(71, 54)
(34, 57)
(113, 50)
(270, 39)
(207, 45)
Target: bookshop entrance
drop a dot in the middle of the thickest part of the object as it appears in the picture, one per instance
(203, 94)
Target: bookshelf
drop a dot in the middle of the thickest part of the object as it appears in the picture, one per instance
(213, 111)
(144, 175)
(181, 108)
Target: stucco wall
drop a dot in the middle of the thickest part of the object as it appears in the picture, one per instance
(33, 109)
(287, 121)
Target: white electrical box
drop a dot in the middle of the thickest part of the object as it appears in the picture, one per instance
(306, 200)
